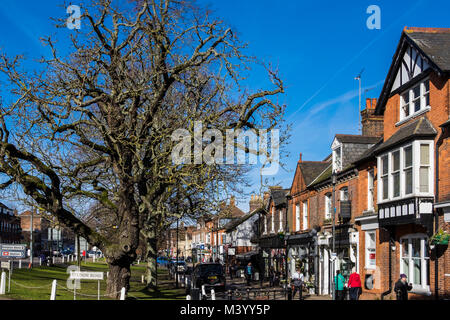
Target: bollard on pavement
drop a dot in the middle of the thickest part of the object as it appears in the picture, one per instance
(53, 294)
(3, 283)
(122, 294)
(188, 297)
(230, 295)
(20, 264)
(248, 294)
(213, 294)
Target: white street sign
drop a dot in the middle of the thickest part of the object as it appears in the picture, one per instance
(5, 265)
(85, 275)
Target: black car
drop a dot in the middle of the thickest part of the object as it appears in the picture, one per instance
(209, 274)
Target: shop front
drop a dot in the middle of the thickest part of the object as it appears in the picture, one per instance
(303, 254)
(272, 254)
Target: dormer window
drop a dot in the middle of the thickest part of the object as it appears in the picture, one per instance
(337, 159)
(415, 100)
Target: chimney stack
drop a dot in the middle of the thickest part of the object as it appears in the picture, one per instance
(372, 125)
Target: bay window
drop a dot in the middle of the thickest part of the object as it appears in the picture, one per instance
(370, 191)
(415, 100)
(385, 177)
(414, 259)
(406, 171)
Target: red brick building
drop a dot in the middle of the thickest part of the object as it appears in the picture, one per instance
(413, 173)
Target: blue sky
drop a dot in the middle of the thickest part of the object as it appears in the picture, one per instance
(318, 46)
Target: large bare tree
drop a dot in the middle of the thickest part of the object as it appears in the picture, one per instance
(94, 122)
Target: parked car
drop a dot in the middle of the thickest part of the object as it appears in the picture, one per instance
(210, 274)
(163, 261)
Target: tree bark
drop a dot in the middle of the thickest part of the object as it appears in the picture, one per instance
(151, 272)
(119, 277)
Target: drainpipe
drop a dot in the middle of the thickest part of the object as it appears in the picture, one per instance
(391, 242)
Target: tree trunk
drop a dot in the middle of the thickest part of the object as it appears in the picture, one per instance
(151, 272)
(119, 277)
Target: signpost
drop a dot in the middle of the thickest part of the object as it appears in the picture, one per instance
(13, 251)
(86, 275)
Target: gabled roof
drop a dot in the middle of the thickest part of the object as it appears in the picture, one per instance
(433, 43)
(236, 222)
(360, 139)
(421, 127)
(278, 196)
(311, 169)
(370, 153)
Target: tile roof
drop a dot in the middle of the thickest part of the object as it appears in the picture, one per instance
(421, 127)
(278, 195)
(311, 169)
(352, 138)
(434, 42)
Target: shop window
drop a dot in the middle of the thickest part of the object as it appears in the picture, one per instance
(370, 249)
(414, 259)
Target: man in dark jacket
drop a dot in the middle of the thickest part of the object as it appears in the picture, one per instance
(402, 287)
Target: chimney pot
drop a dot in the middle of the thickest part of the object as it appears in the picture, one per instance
(300, 157)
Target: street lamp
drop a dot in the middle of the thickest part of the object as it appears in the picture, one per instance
(333, 182)
(176, 264)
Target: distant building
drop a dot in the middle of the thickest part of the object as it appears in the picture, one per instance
(10, 231)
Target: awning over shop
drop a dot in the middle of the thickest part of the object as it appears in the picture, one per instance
(247, 255)
(300, 239)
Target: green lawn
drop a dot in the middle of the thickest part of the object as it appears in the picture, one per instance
(40, 279)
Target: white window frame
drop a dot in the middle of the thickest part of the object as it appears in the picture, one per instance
(328, 205)
(415, 145)
(370, 189)
(342, 193)
(424, 106)
(280, 227)
(297, 217)
(337, 166)
(305, 215)
(423, 260)
(265, 224)
(369, 250)
(273, 220)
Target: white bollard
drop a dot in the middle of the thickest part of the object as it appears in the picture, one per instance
(213, 294)
(107, 274)
(188, 297)
(53, 294)
(203, 290)
(40, 262)
(53, 260)
(122, 294)
(3, 283)
(142, 278)
(20, 264)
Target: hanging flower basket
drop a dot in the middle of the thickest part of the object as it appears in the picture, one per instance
(440, 238)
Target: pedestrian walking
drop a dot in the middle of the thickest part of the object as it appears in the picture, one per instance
(339, 282)
(249, 273)
(354, 285)
(402, 287)
(271, 277)
(297, 282)
(231, 269)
